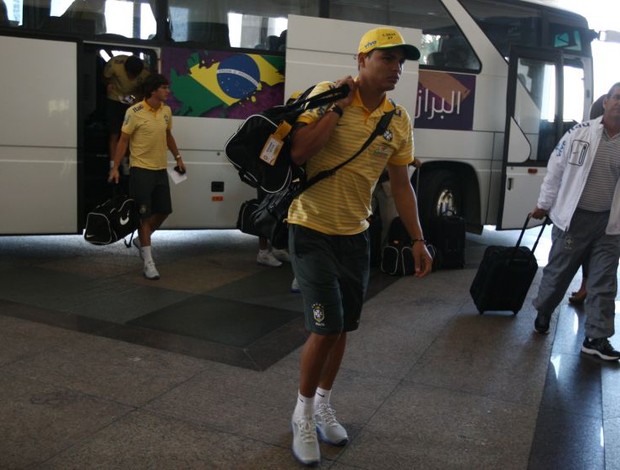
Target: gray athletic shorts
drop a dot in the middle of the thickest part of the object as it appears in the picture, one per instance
(332, 272)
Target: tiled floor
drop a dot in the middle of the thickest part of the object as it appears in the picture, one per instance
(100, 368)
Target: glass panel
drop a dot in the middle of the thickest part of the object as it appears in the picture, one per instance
(535, 105)
(570, 38)
(443, 44)
(11, 13)
(250, 24)
(86, 18)
(574, 91)
(506, 25)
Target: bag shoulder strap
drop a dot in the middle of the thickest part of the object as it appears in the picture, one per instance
(382, 126)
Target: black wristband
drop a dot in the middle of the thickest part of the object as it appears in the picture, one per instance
(337, 109)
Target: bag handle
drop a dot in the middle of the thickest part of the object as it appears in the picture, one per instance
(527, 219)
(326, 97)
(542, 229)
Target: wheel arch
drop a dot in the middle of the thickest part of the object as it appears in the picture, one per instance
(468, 182)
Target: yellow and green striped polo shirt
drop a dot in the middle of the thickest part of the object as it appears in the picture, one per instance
(147, 128)
(341, 203)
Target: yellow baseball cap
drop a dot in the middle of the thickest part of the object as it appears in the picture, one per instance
(386, 38)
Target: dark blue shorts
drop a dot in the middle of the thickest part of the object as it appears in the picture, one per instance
(332, 272)
(151, 191)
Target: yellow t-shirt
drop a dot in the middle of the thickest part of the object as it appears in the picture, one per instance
(146, 126)
(122, 86)
(341, 203)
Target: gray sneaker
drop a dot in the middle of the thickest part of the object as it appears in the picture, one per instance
(150, 271)
(266, 258)
(329, 429)
(305, 443)
(281, 254)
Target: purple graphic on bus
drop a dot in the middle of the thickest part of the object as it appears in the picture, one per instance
(445, 101)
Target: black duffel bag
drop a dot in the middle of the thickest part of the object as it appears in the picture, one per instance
(260, 148)
(111, 221)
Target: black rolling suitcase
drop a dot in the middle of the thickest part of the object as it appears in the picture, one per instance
(505, 275)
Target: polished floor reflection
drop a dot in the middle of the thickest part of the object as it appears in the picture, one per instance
(102, 368)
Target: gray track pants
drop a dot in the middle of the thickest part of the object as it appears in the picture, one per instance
(584, 241)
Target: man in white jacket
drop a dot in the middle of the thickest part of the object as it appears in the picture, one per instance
(581, 196)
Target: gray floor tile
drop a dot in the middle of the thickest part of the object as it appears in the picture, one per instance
(39, 420)
(144, 440)
(108, 369)
(497, 356)
(413, 426)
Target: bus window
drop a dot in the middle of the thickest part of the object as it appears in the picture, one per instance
(245, 24)
(443, 44)
(574, 87)
(86, 18)
(10, 13)
(570, 38)
(506, 25)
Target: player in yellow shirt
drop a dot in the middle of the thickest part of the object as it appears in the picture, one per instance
(147, 132)
(328, 237)
(123, 76)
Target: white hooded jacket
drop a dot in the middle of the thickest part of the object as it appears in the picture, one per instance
(567, 173)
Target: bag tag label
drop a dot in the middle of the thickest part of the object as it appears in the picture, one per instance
(274, 143)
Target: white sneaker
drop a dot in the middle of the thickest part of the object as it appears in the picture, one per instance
(305, 443)
(295, 286)
(266, 258)
(150, 271)
(281, 255)
(329, 429)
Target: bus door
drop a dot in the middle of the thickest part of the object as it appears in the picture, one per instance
(94, 188)
(534, 124)
(313, 57)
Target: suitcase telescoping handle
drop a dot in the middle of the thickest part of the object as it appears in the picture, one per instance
(542, 229)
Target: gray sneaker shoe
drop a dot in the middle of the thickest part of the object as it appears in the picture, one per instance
(266, 258)
(281, 254)
(150, 271)
(305, 443)
(329, 429)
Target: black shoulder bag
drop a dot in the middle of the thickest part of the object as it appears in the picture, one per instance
(260, 148)
(269, 218)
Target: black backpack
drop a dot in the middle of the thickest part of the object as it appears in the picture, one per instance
(397, 255)
(260, 148)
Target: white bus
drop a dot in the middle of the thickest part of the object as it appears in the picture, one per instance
(497, 84)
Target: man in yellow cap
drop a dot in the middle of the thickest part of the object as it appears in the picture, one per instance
(328, 238)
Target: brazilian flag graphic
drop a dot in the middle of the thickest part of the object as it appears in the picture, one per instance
(222, 84)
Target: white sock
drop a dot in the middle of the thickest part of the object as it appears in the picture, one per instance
(263, 252)
(304, 406)
(322, 396)
(146, 253)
